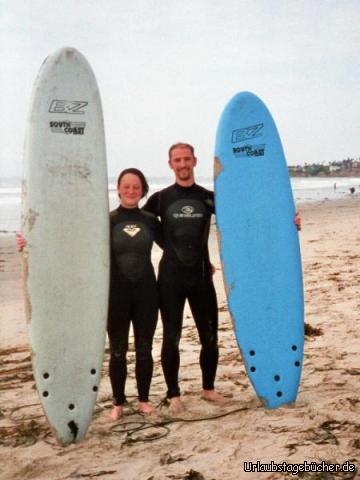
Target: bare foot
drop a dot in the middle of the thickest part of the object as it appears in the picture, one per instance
(146, 407)
(213, 396)
(116, 413)
(176, 405)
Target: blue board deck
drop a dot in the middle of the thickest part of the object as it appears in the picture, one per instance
(259, 248)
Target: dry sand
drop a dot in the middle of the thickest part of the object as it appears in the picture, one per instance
(324, 425)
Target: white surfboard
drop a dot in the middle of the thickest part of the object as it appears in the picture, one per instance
(65, 220)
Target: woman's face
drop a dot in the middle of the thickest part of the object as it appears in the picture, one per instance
(130, 190)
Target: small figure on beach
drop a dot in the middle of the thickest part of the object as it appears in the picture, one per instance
(352, 190)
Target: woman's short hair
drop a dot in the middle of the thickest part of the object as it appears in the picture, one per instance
(138, 173)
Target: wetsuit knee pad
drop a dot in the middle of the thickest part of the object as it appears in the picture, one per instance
(118, 352)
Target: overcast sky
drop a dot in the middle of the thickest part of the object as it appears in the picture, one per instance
(166, 69)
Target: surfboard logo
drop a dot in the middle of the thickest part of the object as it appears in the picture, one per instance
(74, 107)
(250, 151)
(131, 230)
(66, 127)
(247, 133)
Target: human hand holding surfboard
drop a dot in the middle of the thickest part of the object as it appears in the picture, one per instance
(20, 242)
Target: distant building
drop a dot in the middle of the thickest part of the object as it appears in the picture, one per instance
(343, 168)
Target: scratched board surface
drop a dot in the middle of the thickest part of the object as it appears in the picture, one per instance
(259, 248)
(65, 221)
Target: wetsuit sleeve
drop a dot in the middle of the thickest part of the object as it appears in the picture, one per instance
(152, 205)
(210, 201)
(112, 260)
(208, 261)
(159, 234)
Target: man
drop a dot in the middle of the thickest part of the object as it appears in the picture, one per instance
(185, 272)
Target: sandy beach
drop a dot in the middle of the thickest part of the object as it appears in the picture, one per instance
(207, 442)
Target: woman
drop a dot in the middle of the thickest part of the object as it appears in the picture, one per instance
(133, 289)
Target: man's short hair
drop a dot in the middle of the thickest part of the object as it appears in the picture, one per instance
(181, 145)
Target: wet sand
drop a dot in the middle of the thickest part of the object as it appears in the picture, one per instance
(206, 441)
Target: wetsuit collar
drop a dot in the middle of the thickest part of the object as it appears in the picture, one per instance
(124, 209)
(184, 189)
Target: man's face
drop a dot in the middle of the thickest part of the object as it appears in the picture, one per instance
(182, 162)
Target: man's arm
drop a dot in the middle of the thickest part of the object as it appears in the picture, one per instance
(153, 204)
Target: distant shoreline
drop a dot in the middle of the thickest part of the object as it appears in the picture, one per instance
(203, 178)
(335, 175)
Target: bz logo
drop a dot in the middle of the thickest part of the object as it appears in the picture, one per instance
(68, 106)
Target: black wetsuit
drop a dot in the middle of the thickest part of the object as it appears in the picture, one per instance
(185, 273)
(133, 297)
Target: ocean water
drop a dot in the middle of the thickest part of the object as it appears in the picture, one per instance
(307, 189)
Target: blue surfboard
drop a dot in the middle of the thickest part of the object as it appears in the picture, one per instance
(259, 248)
